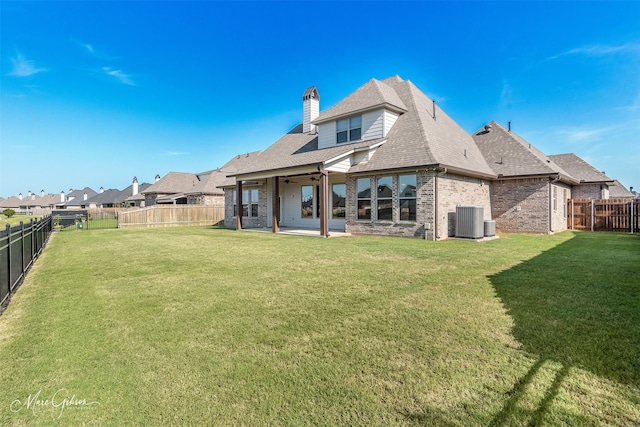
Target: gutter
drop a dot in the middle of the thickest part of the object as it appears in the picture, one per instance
(556, 179)
(435, 204)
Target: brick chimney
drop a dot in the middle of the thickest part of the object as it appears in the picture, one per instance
(310, 109)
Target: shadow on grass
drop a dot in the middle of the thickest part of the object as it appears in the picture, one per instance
(577, 304)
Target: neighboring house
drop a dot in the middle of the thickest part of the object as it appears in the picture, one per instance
(76, 199)
(12, 202)
(592, 184)
(531, 190)
(384, 160)
(619, 191)
(136, 198)
(170, 189)
(181, 188)
(111, 198)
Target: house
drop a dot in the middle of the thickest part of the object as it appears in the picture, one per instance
(384, 160)
(593, 184)
(171, 189)
(531, 190)
(76, 199)
(189, 188)
(136, 198)
(619, 191)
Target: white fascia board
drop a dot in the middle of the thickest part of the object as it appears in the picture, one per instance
(328, 163)
(385, 106)
(296, 170)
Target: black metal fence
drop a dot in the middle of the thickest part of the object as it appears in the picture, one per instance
(19, 247)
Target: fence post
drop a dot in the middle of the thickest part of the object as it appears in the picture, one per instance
(9, 257)
(631, 217)
(572, 216)
(593, 215)
(22, 247)
(33, 238)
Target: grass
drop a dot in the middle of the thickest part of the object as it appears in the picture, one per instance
(15, 219)
(202, 326)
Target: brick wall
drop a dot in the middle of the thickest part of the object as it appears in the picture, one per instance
(458, 190)
(394, 227)
(521, 205)
(590, 191)
(247, 222)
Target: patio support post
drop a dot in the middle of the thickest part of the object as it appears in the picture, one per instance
(275, 201)
(239, 205)
(324, 203)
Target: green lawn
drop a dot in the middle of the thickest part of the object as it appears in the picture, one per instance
(203, 326)
(15, 219)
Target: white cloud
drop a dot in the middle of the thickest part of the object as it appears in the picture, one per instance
(122, 77)
(581, 134)
(600, 50)
(176, 153)
(23, 67)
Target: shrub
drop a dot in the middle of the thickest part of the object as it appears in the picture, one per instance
(8, 212)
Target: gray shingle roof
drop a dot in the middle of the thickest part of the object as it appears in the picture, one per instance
(78, 196)
(510, 155)
(415, 140)
(139, 196)
(579, 169)
(372, 94)
(174, 182)
(620, 191)
(209, 183)
(110, 196)
(296, 149)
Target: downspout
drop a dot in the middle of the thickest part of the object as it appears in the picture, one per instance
(556, 179)
(435, 204)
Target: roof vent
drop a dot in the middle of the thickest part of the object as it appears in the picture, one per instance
(487, 128)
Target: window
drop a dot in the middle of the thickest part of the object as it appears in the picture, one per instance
(246, 202)
(364, 198)
(254, 202)
(349, 129)
(407, 195)
(385, 198)
(338, 208)
(307, 201)
(235, 204)
(555, 199)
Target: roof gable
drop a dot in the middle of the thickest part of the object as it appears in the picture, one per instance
(579, 169)
(510, 155)
(174, 182)
(422, 137)
(371, 95)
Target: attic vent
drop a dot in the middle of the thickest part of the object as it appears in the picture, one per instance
(470, 222)
(487, 128)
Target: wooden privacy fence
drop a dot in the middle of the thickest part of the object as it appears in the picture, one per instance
(604, 215)
(19, 247)
(170, 215)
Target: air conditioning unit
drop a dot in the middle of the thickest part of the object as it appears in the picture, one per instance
(470, 222)
(489, 228)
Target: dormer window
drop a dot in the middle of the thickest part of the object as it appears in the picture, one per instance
(349, 129)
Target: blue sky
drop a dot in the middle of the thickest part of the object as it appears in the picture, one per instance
(95, 93)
